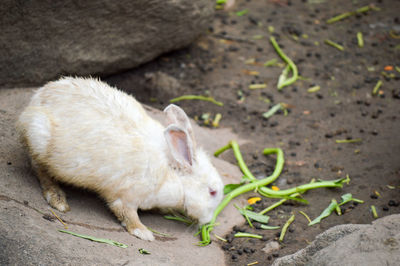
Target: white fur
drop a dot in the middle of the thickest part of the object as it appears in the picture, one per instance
(85, 133)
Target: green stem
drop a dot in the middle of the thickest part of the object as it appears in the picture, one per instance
(305, 215)
(267, 192)
(240, 234)
(360, 39)
(348, 14)
(348, 140)
(335, 45)
(292, 66)
(285, 227)
(196, 97)
(273, 206)
(376, 88)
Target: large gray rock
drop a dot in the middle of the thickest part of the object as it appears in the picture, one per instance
(352, 245)
(41, 40)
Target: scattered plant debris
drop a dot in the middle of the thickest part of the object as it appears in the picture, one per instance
(96, 239)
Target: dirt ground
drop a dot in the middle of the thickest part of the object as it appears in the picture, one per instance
(231, 56)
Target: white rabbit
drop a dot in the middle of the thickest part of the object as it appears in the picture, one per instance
(90, 135)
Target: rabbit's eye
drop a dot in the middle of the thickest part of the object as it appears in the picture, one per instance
(212, 192)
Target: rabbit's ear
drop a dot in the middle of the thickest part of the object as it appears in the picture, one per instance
(175, 115)
(180, 145)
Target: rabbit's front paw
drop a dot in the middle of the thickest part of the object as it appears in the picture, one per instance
(144, 234)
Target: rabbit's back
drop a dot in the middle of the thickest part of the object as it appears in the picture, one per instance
(98, 136)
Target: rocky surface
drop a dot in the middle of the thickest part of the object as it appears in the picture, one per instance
(45, 39)
(352, 244)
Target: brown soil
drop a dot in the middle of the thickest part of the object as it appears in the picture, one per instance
(343, 108)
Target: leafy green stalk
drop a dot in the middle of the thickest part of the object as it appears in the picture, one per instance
(96, 239)
(207, 228)
(334, 206)
(179, 219)
(260, 185)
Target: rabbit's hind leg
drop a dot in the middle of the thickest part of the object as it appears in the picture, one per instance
(52, 192)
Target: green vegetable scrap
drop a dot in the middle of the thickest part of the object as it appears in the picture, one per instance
(325, 213)
(240, 234)
(348, 140)
(285, 227)
(377, 86)
(95, 239)
(360, 39)
(257, 86)
(196, 97)
(268, 227)
(314, 89)
(217, 119)
(335, 45)
(242, 12)
(143, 251)
(374, 213)
(283, 79)
(272, 62)
(305, 215)
(352, 13)
(334, 205)
(272, 111)
(254, 216)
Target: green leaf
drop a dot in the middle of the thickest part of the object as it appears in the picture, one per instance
(254, 216)
(349, 197)
(229, 187)
(242, 12)
(325, 213)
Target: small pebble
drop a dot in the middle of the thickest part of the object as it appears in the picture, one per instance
(385, 208)
(234, 257)
(373, 196)
(246, 250)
